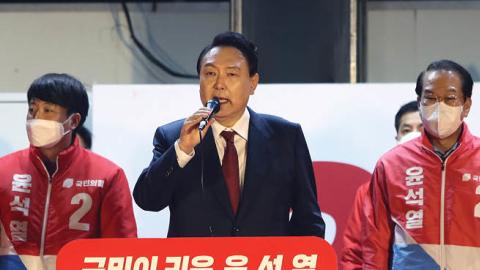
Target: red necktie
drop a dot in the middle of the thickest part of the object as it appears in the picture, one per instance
(230, 169)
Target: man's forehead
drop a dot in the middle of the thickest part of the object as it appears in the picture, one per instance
(436, 75)
(442, 80)
(224, 52)
(410, 118)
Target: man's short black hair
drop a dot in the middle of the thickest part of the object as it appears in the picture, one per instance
(86, 136)
(63, 90)
(411, 106)
(237, 41)
(447, 65)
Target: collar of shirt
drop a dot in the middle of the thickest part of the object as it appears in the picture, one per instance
(240, 127)
(443, 155)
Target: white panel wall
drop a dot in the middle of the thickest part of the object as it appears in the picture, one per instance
(13, 114)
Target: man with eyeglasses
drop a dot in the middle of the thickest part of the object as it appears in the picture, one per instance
(423, 203)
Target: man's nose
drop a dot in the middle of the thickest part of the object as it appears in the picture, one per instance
(220, 82)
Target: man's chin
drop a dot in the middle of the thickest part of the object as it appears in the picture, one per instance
(224, 120)
(219, 118)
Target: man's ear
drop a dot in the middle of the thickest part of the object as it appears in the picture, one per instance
(466, 107)
(75, 120)
(253, 83)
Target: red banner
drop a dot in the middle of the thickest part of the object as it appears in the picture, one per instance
(235, 253)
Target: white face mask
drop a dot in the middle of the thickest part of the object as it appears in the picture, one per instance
(45, 133)
(409, 136)
(441, 120)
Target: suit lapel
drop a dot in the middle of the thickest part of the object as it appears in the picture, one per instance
(258, 157)
(213, 175)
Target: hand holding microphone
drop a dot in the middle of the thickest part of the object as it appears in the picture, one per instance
(198, 121)
(214, 105)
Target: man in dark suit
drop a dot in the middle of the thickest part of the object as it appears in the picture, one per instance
(256, 167)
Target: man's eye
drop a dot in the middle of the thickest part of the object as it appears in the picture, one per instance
(210, 73)
(232, 74)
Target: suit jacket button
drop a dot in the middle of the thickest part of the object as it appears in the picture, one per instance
(235, 230)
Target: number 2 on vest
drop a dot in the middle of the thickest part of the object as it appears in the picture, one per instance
(74, 222)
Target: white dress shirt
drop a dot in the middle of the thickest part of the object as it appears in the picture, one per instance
(240, 141)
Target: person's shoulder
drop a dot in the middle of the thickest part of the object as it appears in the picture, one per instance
(475, 141)
(97, 161)
(410, 149)
(172, 126)
(276, 121)
(171, 129)
(96, 166)
(469, 140)
(273, 126)
(14, 156)
(18, 162)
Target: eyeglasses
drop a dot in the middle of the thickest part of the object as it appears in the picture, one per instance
(451, 100)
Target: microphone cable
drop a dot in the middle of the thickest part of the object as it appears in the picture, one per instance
(204, 196)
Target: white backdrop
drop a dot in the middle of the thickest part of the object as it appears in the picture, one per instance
(346, 123)
(13, 114)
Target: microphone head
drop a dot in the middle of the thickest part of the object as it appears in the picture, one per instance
(213, 104)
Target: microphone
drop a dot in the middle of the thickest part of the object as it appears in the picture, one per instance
(213, 104)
